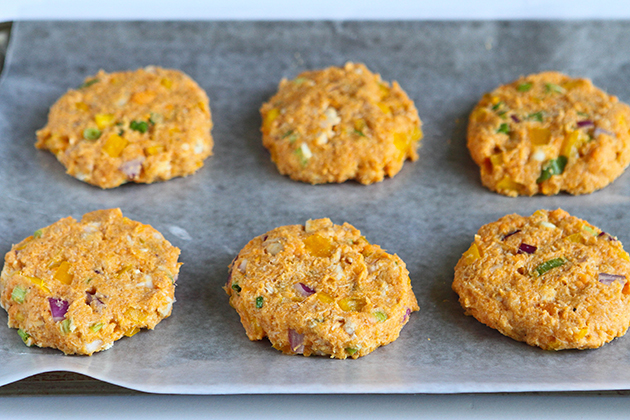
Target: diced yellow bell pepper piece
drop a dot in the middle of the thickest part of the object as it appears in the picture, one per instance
(539, 136)
(384, 107)
(166, 82)
(154, 150)
(82, 106)
(496, 159)
(573, 141)
(471, 254)
(416, 134)
(136, 315)
(324, 297)
(352, 304)
(576, 237)
(401, 141)
(132, 332)
(495, 100)
(63, 274)
(508, 184)
(38, 282)
(574, 83)
(269, 119)
(581, 334)
(319, 246)
(384, 90)
(622, 254)
(104, 120)
(479, 114)
(359, 124)
(115, 145)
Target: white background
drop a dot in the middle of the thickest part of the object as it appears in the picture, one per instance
(256, 407)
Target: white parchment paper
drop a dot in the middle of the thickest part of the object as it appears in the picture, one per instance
(427, 214)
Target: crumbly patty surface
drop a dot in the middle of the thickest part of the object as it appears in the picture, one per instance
(320, 289)
(80, 286)
(337, 124)
(550, 280)
(142, 126)
(547, 133)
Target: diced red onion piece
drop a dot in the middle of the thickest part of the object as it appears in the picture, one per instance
(510, 234)
(526, 248)
(515, 118)
(607, 279)
(132, 168)
(303, 289)
(607, 236)
(585, 123)
(296, 342)
(599, 131)
(58, 308)
(407, 314)
(90, 297)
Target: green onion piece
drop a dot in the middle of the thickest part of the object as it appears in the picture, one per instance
(536, 116)
(299, 80)
(236, 287)
(91, 133)
(589, 230)
(380, 316)
(24, 336)
(548, 265)
(551, 87)
(358, 132)
(155, 118)
(66, 325)
(351, 351)
(140, 126)
(524, 87)
(38, 233)
(96, 327)
(502, 114)
(19, 294)
(292, 136)
(88, 83)
(582, 114)
(497, 106)
(259, 302)
(553, 167)
(504, 128)
(300, 155)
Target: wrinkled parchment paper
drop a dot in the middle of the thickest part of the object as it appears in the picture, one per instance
(427, 214)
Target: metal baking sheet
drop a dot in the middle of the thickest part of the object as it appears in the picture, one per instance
(427, 214)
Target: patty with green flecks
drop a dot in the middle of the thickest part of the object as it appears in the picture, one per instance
(338, 124)
(320, 289)
(80, 286)
(148, 125)
(547, 133)
(551, 280)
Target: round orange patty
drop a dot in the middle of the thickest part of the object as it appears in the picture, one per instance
(547, 133)
(337, 124)
(80, 286)
(143, 126)
(550, 279)
(320, 289)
